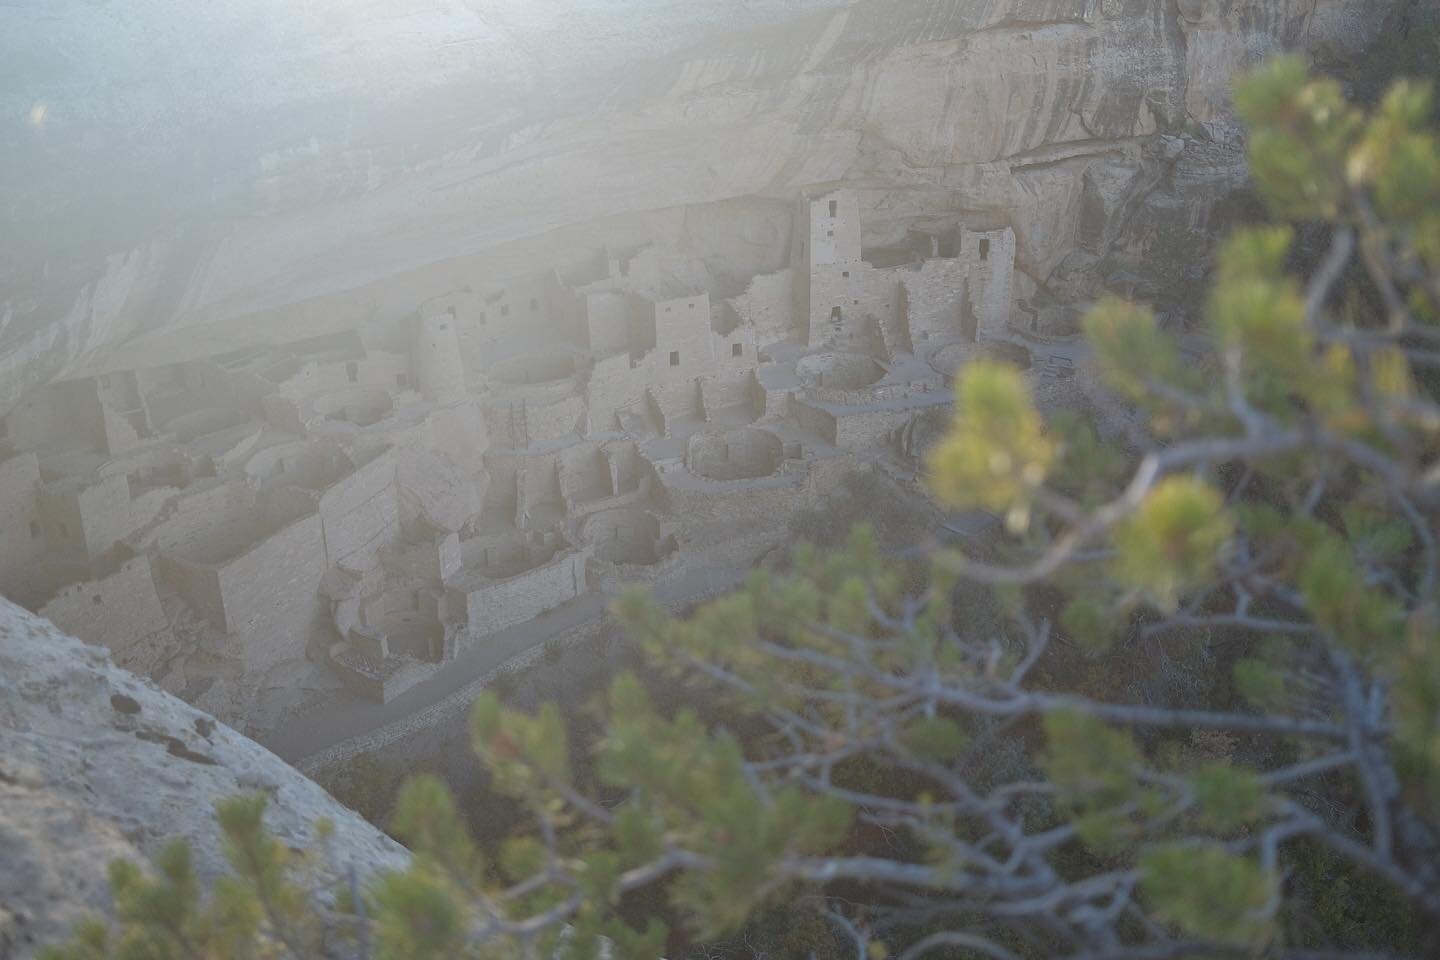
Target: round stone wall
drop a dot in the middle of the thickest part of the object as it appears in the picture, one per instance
(734, 454)
(625, 536)
(361, 406)
(838, 371)
(949, 359)
(198, 423)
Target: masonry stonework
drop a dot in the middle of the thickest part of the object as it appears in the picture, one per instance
(372, 503)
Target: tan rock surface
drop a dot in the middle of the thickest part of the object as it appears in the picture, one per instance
(327, 178)
(96, 764)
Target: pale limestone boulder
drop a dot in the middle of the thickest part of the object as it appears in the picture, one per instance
(98, 764)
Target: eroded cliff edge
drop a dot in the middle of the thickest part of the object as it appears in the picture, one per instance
(98, 764)
(358, 176)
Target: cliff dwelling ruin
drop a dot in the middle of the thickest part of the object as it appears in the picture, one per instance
(369, 505)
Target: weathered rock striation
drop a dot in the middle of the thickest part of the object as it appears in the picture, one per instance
(98, 764)
(273, 167)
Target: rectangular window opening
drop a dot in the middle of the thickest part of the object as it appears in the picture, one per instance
(834, 313)
(736, 350)
(674, 358)
(985, 249)
(833, 208)
(352, 372)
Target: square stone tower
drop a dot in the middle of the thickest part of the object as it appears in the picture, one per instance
(435, 352)
(827, 235)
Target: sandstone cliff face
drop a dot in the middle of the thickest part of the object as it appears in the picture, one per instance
(272, 171)
(97, 764)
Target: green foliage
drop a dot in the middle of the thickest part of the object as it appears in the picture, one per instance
(1172, 541)
(1210, 893)
(1300, 132)
(367, 786)
(1262, 683)
(998, 451)
(428, 823)
(1088, 759)
(1091, 622)
(1258, 312)
(1096, 770)
(420, 916)
(935, 738)
(1227, 798)
(1130, 350)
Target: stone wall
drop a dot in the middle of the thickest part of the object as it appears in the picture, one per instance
(146, 505)
(739, 391)
(214, 386)
(834, 228)
(270, 594)
(496, 604)
(517, 422)
(538, 483)
(459, 430)
(551, 421)
(506, 320)
(736, 353)
(613, 385)
(438, 363)
(189, 521)
(584, 474)
(59, 416)
(734, 454)
(85, 519)
(684, 343)
(435, 491)
(991, 256)
(678, 401)
(21, 534)
(198, 584)
(849, 302)
(935, 298)
(125, 423)
(121, 611)
(361, 513)
(715, 513)
(610, 316)
(858, 429)
(625, 536)
(768, 307)
(105, 513)
(813, 418)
